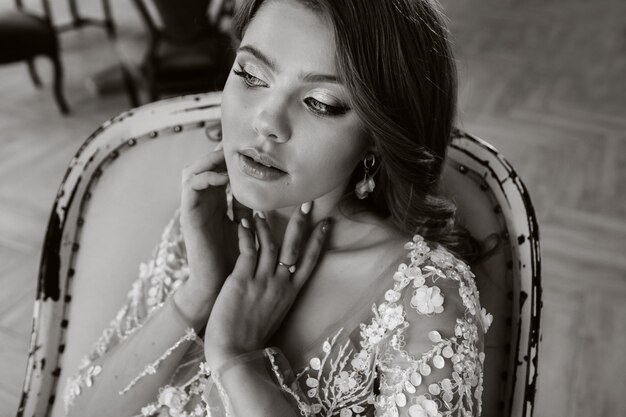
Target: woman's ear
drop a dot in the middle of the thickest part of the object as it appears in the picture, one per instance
(371, 149)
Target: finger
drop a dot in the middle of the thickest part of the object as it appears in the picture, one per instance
(290, 248)
(267, 248)
(240, 211)
(246, 262)
(213, 161)
(205, 179)
(310, 254)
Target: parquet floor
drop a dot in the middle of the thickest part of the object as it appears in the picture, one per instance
(543, 81)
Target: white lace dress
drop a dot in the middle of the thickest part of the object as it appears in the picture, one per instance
(418, 352)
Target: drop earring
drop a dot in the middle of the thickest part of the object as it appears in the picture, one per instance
(367, 184)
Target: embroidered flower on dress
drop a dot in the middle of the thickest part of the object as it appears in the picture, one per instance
(391, 317)
(345, 382)
(442, 259)
(486, 318)
(467, 295)
(427, 300)
(149, 410)
(373, 333)
(361, 361)
(173, 398)
(424, 408)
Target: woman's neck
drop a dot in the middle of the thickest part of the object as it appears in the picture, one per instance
(349, 221)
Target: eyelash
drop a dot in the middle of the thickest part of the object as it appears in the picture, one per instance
(248, 79)
(316, 106)
(328, 110)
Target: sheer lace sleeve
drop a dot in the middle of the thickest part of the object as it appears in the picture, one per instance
(165, 271)
(431, 363)
(273, 378)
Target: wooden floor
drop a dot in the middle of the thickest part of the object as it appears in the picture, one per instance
(543, 81)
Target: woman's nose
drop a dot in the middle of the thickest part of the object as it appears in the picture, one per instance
(272, 120)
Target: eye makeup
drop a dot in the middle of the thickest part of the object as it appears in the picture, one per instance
(322, 109)
(250, 75)
(321, 103)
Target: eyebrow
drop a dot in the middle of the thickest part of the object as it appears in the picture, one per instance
(308, 77)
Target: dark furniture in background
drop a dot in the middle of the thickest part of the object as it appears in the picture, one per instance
(187, 52)
(78, 21)
(25, 35)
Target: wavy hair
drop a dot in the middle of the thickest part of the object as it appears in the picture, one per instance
(396, 62)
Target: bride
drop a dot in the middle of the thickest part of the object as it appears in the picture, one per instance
(339, 286)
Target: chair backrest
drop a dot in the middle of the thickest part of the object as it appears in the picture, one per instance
(179, 23)
(124, 182)
(492, 199)
(45, 8)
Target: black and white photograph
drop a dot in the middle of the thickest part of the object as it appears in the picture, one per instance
(317, 208)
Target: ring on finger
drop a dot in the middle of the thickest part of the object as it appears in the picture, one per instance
(290, 268)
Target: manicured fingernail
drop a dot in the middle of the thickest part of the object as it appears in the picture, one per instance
(325, 225)
(260, 214)
(306, 207)
(245, 223)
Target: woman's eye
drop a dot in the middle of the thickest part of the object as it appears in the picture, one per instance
(249, 79)
(324, 109)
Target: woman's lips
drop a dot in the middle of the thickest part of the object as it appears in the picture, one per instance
(259, 171)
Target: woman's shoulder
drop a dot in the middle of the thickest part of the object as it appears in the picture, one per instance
(416, 250)
(432, 277)
(392, 244)
(436, 290)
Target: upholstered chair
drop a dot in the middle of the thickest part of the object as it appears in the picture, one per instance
(122, 186)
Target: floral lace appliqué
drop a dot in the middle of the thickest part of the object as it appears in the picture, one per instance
(341, 382)
(164, 273)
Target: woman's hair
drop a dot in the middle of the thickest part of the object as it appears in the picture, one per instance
(395, 60)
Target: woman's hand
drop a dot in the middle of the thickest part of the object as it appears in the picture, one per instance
(203, 186)
(207, 232)
(260, 291)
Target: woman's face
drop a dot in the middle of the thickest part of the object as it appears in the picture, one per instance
(283, 106)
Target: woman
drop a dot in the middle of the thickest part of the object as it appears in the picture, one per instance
(335, 119)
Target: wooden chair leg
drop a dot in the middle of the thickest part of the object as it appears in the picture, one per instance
(129, 85)
(154, 94)
(58, 85)
(32, 70)
(153, 91)
(108, 19)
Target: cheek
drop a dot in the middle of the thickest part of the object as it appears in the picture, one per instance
(235, 111)
(336, 163)
(230, 102)
(332, 162)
